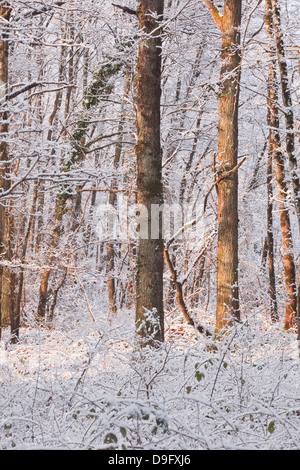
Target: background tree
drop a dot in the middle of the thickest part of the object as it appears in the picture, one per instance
(6, 287)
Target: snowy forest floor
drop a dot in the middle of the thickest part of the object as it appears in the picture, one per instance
(69, 387)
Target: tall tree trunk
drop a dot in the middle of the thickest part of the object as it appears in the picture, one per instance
(288, 105)
(278, 157)
(149, 272)
(5, 12)
(289, 123)
(52, 121)
(227, 251)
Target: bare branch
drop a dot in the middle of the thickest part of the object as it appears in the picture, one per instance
(222, 177)
(126, 9)
(179, 295)
(218, 19)
(43, 9)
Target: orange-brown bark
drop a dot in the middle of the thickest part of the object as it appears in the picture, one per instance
(227, 255)
(278, 158)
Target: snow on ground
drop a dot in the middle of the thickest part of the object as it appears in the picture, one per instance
(69, 387)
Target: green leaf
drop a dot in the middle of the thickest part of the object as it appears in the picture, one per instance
(271, 427)
(199, 376)
(123, 431)
(110, 438)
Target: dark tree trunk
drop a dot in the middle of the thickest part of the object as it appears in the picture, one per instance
(149, 273)
(270, 237)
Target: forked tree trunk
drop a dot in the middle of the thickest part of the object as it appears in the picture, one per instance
(278, 157)
(229, 24)
(149, 270)
(288, 105)
(289, 123)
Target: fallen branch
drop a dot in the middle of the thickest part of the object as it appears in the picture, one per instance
(179, 296)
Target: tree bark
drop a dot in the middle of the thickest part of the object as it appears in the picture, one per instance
(289, 123)
(270, 237)
(149, 272)
(229, 24)
(278, 157)
(288, 105)
(9, 278)
(5, 12)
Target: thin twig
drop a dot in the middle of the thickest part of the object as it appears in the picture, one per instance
(222, 177)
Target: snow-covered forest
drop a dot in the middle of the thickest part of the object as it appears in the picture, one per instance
(149, 225)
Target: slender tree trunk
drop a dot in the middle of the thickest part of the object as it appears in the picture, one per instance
(60, 203)
(66, 200)
(270, 237)
(110, 246)
(149, 272)
(52, 121)
(15, 324)
(43, 293)
(288, 105)
(287, 243)
(227, 251)
(278, 157)
(289, 123)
